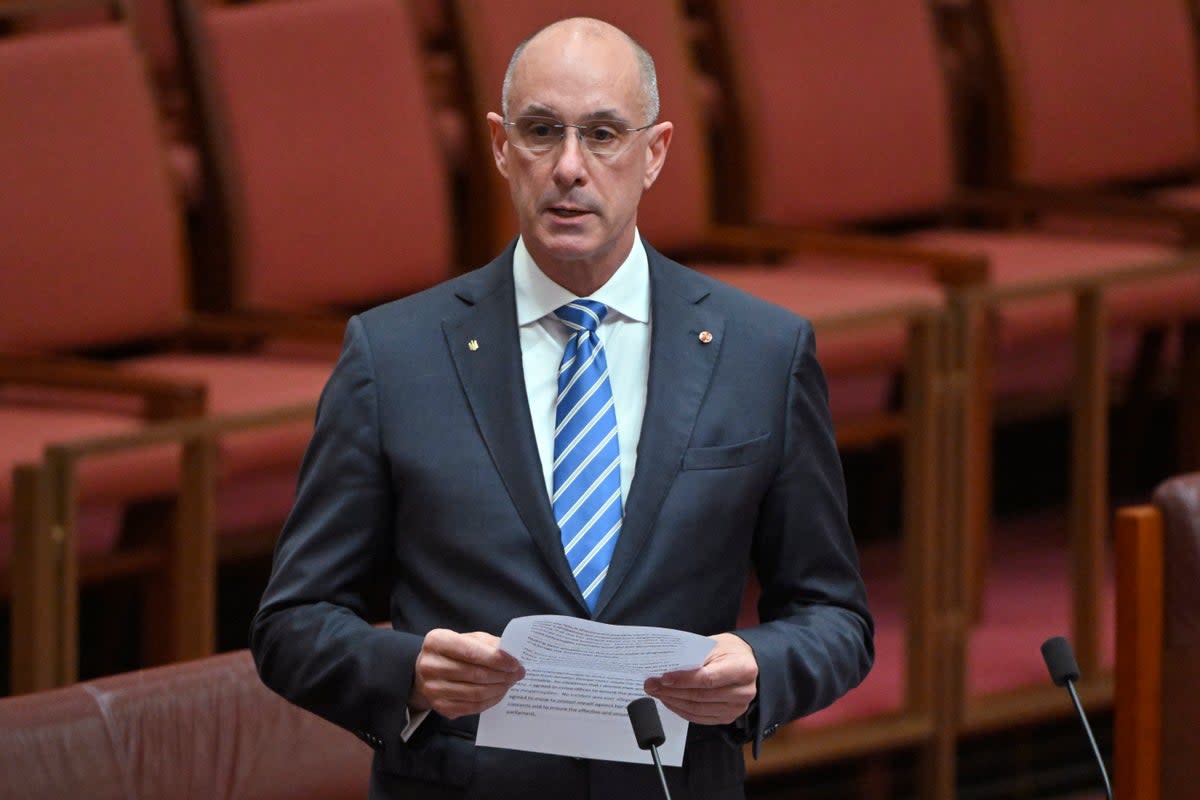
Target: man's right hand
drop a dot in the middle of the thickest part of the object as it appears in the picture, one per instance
(462, 673)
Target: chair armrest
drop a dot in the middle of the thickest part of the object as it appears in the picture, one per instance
(161, 398)
(949, 269)
(1099, 203)
(267, 325)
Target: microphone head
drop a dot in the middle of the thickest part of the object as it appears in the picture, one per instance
(647, 727)
(1060, 660)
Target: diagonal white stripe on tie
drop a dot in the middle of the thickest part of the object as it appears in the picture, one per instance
(587, 472)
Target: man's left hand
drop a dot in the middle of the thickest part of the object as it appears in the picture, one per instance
(715, 693)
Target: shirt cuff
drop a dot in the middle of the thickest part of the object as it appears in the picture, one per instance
(412, 722)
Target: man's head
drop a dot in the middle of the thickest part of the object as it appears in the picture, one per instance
(577, 196)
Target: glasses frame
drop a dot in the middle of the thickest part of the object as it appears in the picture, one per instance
(579, 129)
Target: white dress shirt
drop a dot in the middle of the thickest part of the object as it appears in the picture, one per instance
(624, 332)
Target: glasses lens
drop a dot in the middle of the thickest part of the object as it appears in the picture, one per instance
(603, 138)
(542, 134)
(538, 134)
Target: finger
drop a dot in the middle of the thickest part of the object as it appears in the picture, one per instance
(478, 648)
(705, 713)
(710, 678)
(437, 666)
(735, 692)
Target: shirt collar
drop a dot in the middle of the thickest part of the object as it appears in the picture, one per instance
(627, 292)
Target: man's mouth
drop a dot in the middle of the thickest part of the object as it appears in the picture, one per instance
(567, 212)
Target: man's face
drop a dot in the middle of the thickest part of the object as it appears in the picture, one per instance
(577, 209)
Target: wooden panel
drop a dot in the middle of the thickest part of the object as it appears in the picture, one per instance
(1137, 750)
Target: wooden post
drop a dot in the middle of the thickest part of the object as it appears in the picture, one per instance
(1089, 476)
(34, 568)
(1137, 747)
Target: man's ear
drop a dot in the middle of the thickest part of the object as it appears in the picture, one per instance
(660, 140)
(499, 141)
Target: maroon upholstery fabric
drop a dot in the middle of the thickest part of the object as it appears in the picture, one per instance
(1101, 90)
(1179, 499)
(88, 208)
(75, 259)
(339, 180)
(1028, 600)
(105, 482)
(823, 288)
(844, 106)
(200, 730)
(1024, 258)
(817, 153)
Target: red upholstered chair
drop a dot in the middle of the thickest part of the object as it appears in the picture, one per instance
(846, 122)
(328, 177)
(88, 214)
(1093, 108)
(202, 730)
(1158, 643)
(862, 298)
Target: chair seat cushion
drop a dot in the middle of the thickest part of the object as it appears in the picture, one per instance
(243, 384)
(105, 481)
(25, 432)
(878, 295)
(1020, 258)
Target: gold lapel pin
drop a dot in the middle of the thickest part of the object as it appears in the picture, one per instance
(705, 337)
(472, 345)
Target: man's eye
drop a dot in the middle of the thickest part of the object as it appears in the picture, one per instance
(541, 130)
(602, 133)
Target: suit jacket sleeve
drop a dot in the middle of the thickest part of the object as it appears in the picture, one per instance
(815, 641)
(310, 638)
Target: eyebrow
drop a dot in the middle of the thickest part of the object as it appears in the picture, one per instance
(601, 115)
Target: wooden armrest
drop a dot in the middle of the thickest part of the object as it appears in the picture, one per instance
(161, 398)
(1083, 202)
(949, 269)
(268, 325)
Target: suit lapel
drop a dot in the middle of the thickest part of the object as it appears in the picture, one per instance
(681, 366)
(493, 380)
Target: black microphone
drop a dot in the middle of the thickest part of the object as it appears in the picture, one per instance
(647, 729)
(1060, 661)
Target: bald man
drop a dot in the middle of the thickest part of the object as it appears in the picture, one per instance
(581, 427)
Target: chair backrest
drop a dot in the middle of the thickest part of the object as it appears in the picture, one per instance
(324, 145)
(844, 111)
(1095, 90)
(93, 250)
(676, 211)
(1157, 697)
(200, 730)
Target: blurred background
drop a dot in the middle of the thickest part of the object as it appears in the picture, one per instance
(988, 208)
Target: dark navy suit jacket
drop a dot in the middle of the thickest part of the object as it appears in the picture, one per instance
(423, 474)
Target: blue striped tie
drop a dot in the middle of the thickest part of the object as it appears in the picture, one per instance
(587, 462)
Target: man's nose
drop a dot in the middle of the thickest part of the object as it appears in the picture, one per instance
(570, 168)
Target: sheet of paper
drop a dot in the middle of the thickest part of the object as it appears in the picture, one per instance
(579, 677)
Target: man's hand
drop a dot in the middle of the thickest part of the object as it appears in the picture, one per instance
(717, 692)
(461, 673)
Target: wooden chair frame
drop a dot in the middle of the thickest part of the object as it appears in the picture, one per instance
(46, 565)
(1089, 492)
(922, 721)
(1140, 612)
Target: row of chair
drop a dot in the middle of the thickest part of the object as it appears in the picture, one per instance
(165, 732)
(324, 163)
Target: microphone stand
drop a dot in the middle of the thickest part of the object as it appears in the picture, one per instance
(1091, 739)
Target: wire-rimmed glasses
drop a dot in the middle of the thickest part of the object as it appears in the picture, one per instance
(604, 138)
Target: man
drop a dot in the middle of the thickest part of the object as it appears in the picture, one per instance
(581, 427)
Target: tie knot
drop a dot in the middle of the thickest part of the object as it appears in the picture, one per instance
(582, 314)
